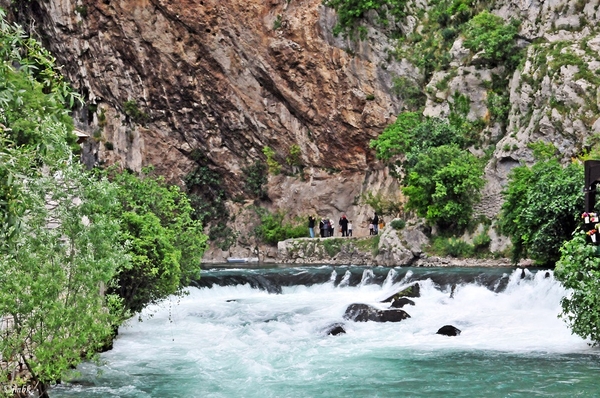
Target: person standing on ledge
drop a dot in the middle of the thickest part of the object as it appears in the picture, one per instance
(311, 226)
(375, 224)
(350, 228)
(344, 225)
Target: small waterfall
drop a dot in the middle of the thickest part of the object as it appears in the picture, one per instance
(367, 277)
(345, 280)
(389, 279)
(333, 277)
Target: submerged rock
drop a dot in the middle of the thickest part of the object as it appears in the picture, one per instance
(365, 312)
(401, 302)
(335, 329)
(411, 291)
(448, 330)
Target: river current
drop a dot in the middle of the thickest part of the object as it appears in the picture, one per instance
(263, 333)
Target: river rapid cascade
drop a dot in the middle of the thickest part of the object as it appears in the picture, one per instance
(263, 333)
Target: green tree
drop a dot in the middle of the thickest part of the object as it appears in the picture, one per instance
(411, 134)
(541, 206)
(65, 233)
(54, 273)
(165, 243)
(489, 35)
(578, 269)
(443, 185)
(396, 138)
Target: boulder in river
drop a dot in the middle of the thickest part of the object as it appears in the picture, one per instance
(411, 291)
(401, 302)
(448, 330)
(335, 329)
(365, 312)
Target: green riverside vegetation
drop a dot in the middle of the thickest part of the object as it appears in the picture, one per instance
(79, 251)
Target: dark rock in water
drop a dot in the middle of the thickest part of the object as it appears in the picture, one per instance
(547, 274)
(401, 302)
(411, 291)
(448, 330)
(365, 312)
(335, 329)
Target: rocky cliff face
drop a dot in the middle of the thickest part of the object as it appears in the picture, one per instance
(207, 84)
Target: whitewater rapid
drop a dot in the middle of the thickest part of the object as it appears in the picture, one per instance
(242, 341)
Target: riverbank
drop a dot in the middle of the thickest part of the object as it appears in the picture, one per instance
(392, 247)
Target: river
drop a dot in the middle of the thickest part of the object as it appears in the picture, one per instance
(262, 333)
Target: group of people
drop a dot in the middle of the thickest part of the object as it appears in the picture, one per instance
(374, 224)
(327, 226)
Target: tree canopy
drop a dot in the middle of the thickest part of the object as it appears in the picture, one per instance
(68, 235)
(441, 179)
(165, 243)
(578, 269)
(541, 207)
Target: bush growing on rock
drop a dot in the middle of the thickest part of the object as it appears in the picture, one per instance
(398, 223)
(542, 206)
(272, 227)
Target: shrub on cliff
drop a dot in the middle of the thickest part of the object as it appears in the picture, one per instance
(272, 227)
(443, 186)
(351, 11)
(541, 206)
(493, 39)
(442, 180)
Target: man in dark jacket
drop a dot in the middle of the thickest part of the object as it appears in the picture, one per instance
(344, 225)
(375, 224)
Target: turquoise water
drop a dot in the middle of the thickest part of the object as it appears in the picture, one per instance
(241, 341)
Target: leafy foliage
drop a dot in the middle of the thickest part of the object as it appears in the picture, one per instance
(272, 227)
(443, 185)
(351, 11)
(207, 198)
(398, 223)
(57, 247)
(451, 246)
(578, 269)
(274, 166)
(383, 205)
(294, 156)
(411, 134)
(409, 92)
(541, 206)
(52, 281)
(165, 243)
(395, 138)
(132, 110)
(256, 179)
(488, 34)
(65, 232)
(441, 180)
